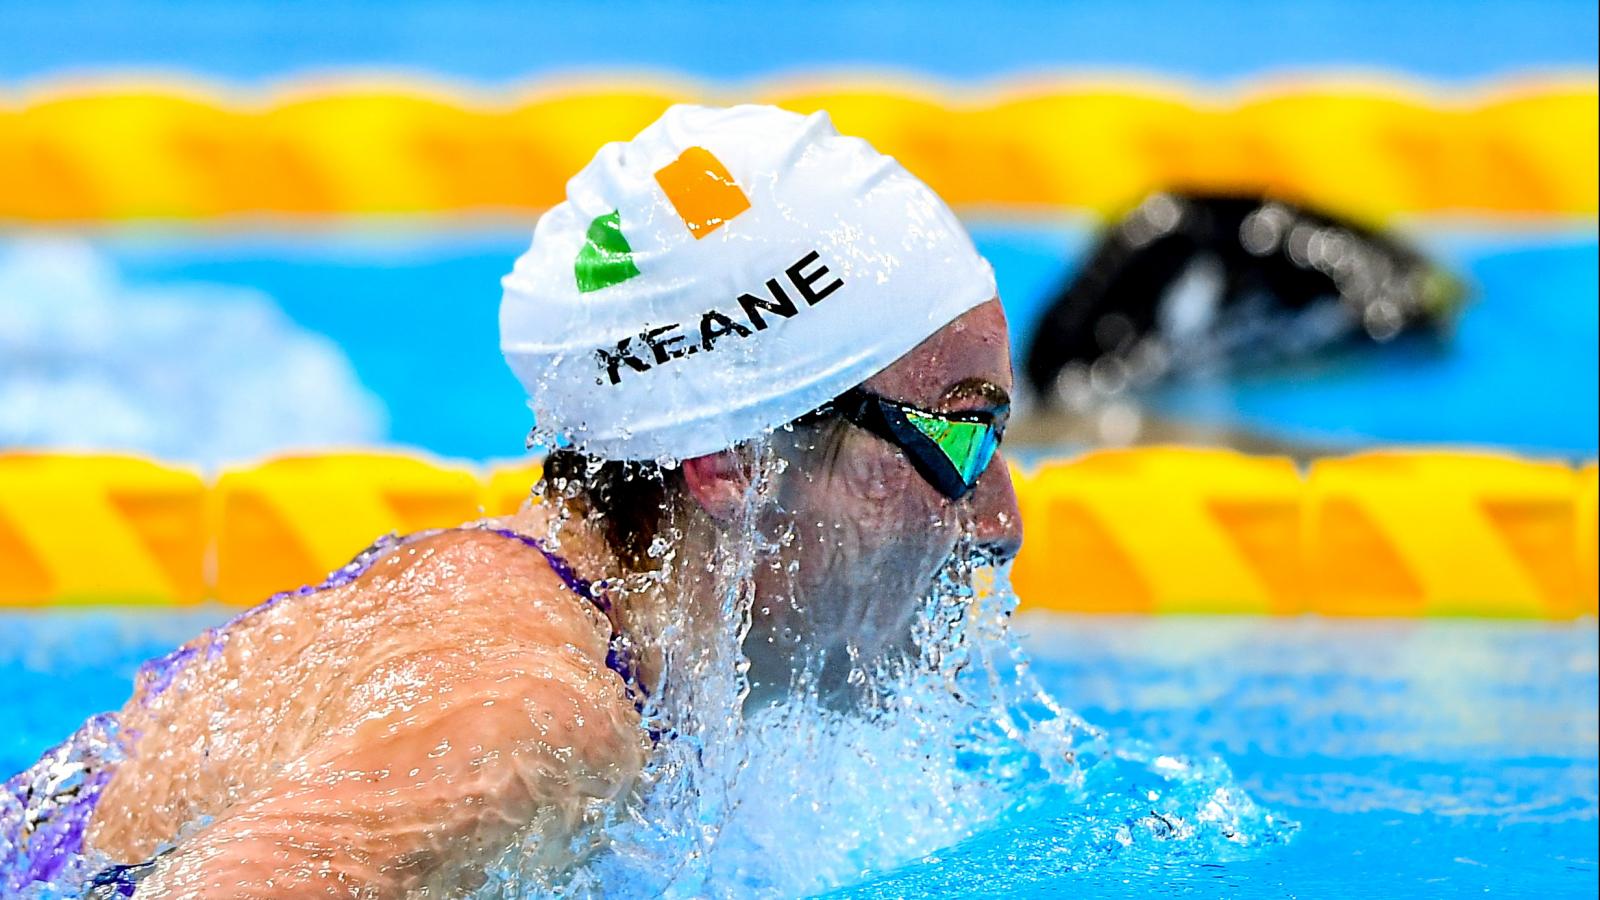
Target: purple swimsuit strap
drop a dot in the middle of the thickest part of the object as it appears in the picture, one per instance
(563, 569)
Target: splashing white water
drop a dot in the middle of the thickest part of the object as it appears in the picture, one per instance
(800, 796)
(200, 372)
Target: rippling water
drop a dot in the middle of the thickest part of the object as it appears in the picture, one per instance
(1421, 759)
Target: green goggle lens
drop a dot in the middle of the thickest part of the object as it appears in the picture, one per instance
(968, 445)
(949, 450)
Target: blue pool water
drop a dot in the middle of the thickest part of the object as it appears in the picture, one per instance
(1440, 758)
(497, 41)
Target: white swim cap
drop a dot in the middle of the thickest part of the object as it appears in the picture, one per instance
(723, 273)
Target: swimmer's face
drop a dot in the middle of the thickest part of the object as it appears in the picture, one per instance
(867, 533)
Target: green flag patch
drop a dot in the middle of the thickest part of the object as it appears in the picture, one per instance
(606, 257)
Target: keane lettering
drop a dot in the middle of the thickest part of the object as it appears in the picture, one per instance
(808, 278)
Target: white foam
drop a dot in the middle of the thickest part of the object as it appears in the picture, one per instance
(206, 373)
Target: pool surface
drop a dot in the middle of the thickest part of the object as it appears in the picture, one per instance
(1428, 758)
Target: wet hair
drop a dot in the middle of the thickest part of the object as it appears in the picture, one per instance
(631, 499)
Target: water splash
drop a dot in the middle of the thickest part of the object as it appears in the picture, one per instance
(209, 373)
(952, 739)
(41, 825)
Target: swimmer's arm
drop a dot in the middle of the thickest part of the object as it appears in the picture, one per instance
(423, 798)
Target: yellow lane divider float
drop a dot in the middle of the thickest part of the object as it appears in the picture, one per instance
(1418, 534)
(293, 520)
(98, 529)
(92, 151)
(1162, 530)
(1588, 536)
(1150, 530)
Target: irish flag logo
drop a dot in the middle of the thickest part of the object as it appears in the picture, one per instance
(701, 191)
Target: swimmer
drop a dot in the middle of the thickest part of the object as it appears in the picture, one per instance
(739, 319)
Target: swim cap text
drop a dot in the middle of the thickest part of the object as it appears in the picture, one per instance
(756, 312)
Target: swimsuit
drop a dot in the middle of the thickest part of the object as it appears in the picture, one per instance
(45, 810)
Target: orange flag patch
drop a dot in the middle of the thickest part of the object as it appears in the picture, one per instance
(702, 191)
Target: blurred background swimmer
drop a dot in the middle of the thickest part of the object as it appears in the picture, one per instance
(451, 694)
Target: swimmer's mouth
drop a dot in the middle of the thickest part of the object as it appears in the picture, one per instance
(968, 556)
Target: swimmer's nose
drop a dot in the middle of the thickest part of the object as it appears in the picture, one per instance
(994, 505)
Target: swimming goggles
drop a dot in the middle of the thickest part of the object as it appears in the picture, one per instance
(950, 450)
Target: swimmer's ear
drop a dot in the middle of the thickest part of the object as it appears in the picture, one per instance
(719, 482)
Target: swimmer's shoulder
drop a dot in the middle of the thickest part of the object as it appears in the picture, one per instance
(500, 632)
(475, 616)
(448, 596)
(477, 581)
